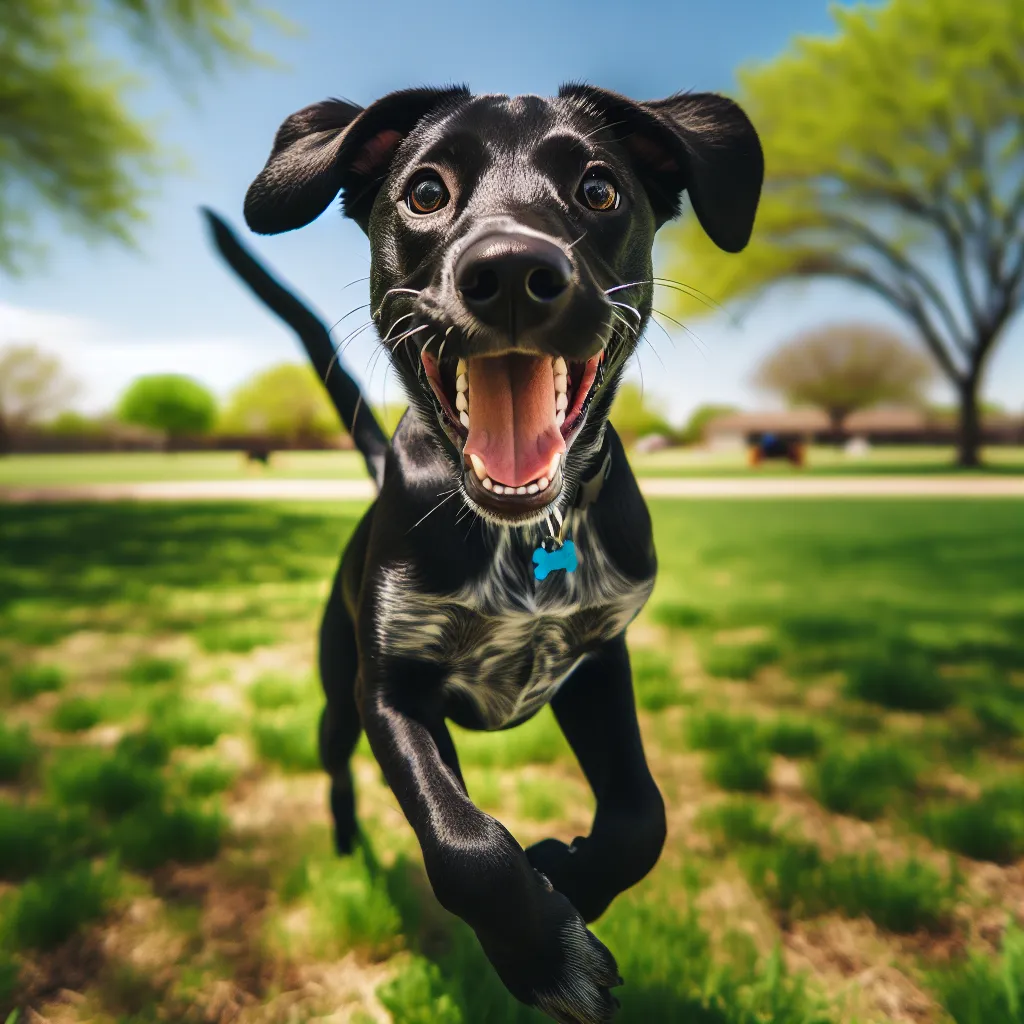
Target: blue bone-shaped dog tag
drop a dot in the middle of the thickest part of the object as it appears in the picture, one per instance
(548, 561)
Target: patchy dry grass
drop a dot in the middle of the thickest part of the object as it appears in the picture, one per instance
(856, 672)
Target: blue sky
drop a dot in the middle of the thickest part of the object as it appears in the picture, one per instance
(170, 305)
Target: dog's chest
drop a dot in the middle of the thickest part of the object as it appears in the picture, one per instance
(507, 641)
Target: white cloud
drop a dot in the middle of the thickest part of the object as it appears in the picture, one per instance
(104, 363)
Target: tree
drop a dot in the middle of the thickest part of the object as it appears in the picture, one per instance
(68, 142)
(636, 415)
(175, 405)
(693, 432)
(287, 401)
(895, 158)
(846, 367)
(33, 386)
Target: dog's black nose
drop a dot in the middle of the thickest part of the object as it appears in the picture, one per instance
(508, 273)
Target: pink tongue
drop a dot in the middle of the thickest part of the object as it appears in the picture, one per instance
(512, 417)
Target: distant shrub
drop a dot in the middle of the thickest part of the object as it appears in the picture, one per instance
(680, 616)
(714, 730)
(792, 738)
(742, 767)
(157, 834)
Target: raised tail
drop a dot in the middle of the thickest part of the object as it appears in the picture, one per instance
(355, 413)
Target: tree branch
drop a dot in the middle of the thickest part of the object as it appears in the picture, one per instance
(908, 304)
(881, 245)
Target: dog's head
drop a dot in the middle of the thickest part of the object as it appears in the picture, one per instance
(511, 253)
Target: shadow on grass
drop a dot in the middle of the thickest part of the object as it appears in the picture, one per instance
(62, 558)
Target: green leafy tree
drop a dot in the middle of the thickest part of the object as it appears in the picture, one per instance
(635, 414)
(895, 162)
(693, 432)
(33, 387)
(846, 367)
(172, 404)
(287, 401)
(68, 140)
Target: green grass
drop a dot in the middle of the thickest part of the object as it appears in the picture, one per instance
(738, 661)
(742, 767)
(844, 589)
(988, 828)
(76, 714)
(654, 680)
(982, 989)
(289, 740)
(146, 671)
(29, 681)
(190, 723)
(900, 679)
(19, 753)
(865, 781)
(47, 910)
(270, 692)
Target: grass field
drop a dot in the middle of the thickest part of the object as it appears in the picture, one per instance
(832, 696)
(138, 467)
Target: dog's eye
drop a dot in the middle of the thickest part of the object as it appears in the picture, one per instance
(427, 194)
(599, 193)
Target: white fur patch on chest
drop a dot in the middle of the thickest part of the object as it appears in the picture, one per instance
(507, 641)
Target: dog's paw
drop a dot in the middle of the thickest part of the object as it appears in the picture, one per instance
(580, 994)
(567, 973)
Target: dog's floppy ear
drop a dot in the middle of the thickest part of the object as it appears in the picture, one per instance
(331, 147)
(701, 143)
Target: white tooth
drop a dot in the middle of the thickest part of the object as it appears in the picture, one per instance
(561, 382)
(461, 383)
(543, 483)
(498, 489)
(561, 401)
(488, 486)
(464, 419)
(462, 403)
(520, 490)
(560, 367)
(478, 467)
(461, 368)
(532, 489)
(559, 419)
(553, 465)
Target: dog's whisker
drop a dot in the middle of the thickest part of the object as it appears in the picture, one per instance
(578, 240)
(395, 291)
(696, 340)
(448, 497)
(632, 309)
(356, 281)
(396, 323)
(351, 337)
(365, 305)
(408, 335)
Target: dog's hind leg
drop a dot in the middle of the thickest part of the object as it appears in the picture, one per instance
(597, 713)
(339, 724)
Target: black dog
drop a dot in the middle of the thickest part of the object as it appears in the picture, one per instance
(509, 546)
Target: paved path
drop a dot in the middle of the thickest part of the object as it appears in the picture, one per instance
(653, 487)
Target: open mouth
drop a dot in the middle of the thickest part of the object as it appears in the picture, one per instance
(514, 416)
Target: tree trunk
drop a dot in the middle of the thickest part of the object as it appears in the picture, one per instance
(6, 438)
(837, 417)
(969, 449)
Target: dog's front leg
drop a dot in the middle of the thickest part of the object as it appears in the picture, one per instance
(597, 713)
(532, 934)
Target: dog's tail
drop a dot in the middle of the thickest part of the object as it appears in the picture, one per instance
(352, 407)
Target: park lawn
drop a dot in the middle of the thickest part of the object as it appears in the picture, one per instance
(145, 467)
(832, 697)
